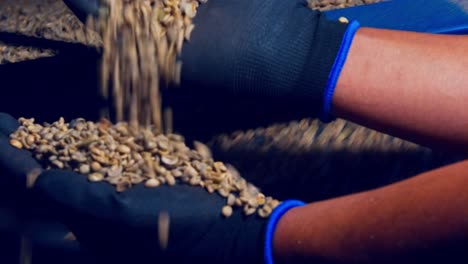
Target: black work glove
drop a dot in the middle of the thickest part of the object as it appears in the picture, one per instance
(123, 227)
(279, 53)
(271, 48)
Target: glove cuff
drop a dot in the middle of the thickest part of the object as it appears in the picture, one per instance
(271, 226)
(330, 45)
(336, 71)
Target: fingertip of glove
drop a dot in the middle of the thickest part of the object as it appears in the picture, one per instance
(8, 124)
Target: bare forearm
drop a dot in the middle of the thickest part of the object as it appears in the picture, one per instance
(420, 215)
(407, 84)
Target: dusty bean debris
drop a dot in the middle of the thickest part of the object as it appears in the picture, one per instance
(324, 5)
(123, 157)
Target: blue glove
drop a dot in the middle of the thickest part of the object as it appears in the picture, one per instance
(123, 227)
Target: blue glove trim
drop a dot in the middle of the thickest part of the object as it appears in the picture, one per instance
(271, 226)
(336, 70)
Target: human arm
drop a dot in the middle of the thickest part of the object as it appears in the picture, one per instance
(412, 85)
(421, 218)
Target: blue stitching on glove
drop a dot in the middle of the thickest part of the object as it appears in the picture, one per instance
(271, 226)
(336, 70)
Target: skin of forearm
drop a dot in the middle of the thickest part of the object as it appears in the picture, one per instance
(411, 85)
(419, 216)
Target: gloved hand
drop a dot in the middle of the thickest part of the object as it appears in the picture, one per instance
(22, 216)
(123, 227)
(270, 50)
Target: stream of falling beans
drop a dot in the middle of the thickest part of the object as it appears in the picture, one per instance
(141, 41)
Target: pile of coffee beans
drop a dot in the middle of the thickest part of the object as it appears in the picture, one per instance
(124, 157)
